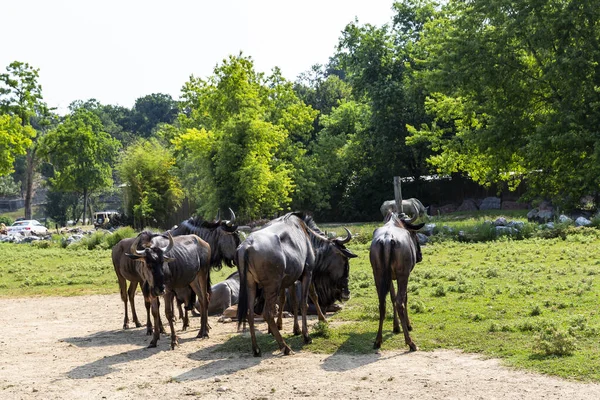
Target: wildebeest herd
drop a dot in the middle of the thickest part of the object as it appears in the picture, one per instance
(287, 258)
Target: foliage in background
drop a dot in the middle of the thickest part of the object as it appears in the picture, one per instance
(513, 89)
(8, 187)
(241, 139)
(153, 189)
(14, 141)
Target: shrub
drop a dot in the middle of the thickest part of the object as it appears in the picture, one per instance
(8, 221)
(553, 342)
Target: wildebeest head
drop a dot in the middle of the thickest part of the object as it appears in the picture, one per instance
(152, 263)
(221, 235)
(407, 224)
(332, 270)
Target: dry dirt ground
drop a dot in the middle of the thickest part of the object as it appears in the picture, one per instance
(74, 348)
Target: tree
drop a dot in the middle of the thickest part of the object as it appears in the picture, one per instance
(241, 139)
(153, 188)
(82, 155)
(21, 96)
(513, 87)
(150, 111)
(15, 139)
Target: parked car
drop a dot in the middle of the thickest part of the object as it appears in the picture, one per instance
(28, 227)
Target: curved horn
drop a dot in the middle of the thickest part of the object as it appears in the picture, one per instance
(413, 219)
(347, 239)
(232, 215)
(170, 246)
(133, 249)
(218, 217)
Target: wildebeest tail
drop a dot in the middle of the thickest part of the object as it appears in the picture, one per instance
(242, 311)
(386, 255)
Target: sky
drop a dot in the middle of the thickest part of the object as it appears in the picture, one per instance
(118, 51)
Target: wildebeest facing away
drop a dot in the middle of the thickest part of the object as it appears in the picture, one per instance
(411, 207)
(394, 252)
(171, 263)
(287, 249)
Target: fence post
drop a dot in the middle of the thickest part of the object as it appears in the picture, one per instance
(398, 195)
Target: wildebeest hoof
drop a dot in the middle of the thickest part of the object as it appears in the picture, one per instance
(307, 340)
(398, 330)
(376, 345)
(256, 353)
(297, 331)
(138, 324)
(148, 331)
(287, 351)
(125, 326)
(152, 345)
(409, 328)
(413, 347)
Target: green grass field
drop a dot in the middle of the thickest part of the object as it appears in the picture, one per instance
(533, 303)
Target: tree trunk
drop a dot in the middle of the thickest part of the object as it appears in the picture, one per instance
(85, 199)
(30, 170)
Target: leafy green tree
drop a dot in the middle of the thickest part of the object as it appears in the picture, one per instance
(8, 187)
(15, 139)
(243, 134)
(21, 96)
(82, 155)
(513, 87)
(153, 188)
(116, 120)
(150, 111)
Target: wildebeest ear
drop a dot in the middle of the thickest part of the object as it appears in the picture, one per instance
(134, 256)
(169, 259)
(348, 253)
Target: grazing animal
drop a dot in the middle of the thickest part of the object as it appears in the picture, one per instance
(394, 252)
(167, 264)
(287, 249)
(411, 207)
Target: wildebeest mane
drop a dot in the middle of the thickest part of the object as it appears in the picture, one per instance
(208, 231)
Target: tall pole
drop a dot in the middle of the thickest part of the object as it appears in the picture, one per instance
(398, 194)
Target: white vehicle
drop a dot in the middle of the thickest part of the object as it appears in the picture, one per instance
(27, 227)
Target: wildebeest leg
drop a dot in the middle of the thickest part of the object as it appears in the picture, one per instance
(123, 292)
(154, 305)
(394, 308)
(200, 286)
(270, 295)
(170, 314)
(402, 287)
(281, 304)
(406, 308)
(306, 281)
(131, 293)
(251, 299)
(382, 294)
(315, 299)
(294, 304)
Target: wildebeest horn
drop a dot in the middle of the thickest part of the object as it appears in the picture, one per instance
(218, 217)
(232, 215)
(134, 245)
(170, 246)
(347, 239)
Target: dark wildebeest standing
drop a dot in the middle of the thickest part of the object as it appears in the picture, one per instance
(394, 252)
(222, 237)
(287, 249)
(126, 270)
(167, 264)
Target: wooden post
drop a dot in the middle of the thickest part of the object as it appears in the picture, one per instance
(398, 195)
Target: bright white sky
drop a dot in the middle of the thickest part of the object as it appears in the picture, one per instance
(118, 50)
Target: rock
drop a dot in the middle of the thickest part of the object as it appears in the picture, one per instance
(505, 230)
(582, 221)
(222, 389)
(490, 203)
(422, 239)
(532, 214)
(544, 216)
(428, 229)
(516, 224)
(564, 219)
(500, 221)
(445, 209)
(468, 205)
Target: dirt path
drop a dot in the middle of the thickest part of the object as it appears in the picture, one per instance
(74, 348)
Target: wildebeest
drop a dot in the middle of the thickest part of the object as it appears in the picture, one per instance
(221, 235)
(394, 252)
(126, 270)
(287, 249)
(411, 207)
(167, 264)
